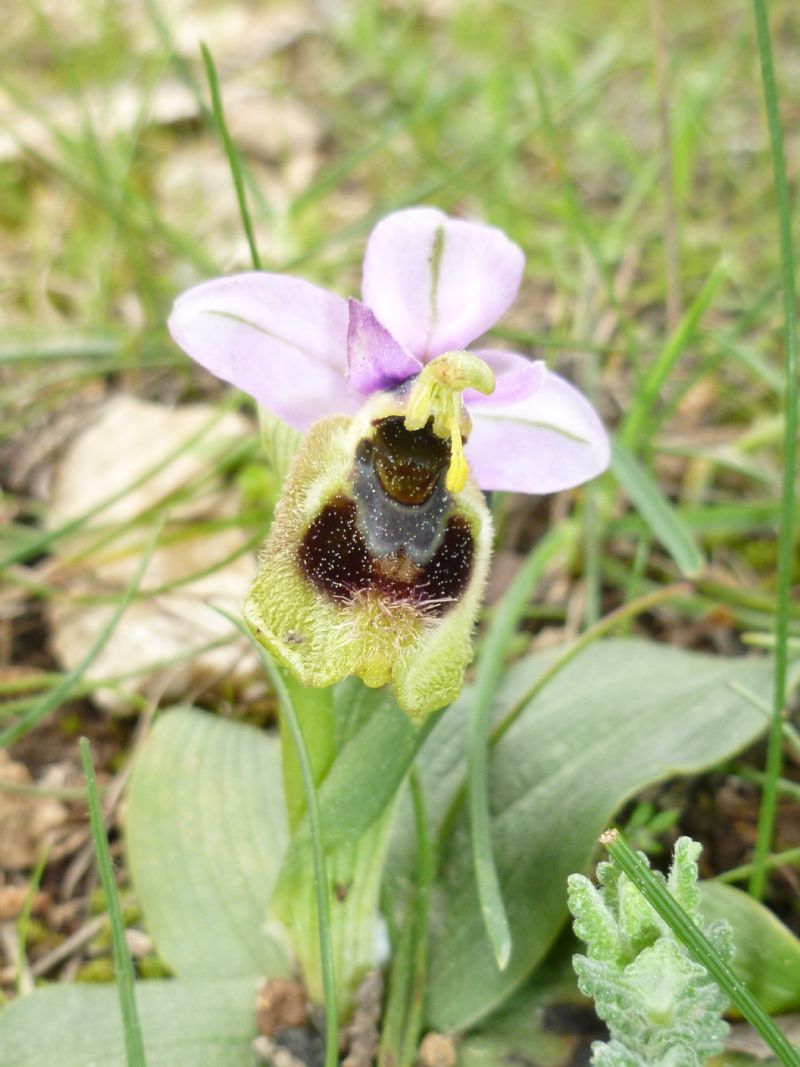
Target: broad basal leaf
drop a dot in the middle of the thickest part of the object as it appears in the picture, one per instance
(767, 954)
(547, 1022)
(624, 714)
(206, 834)
(185, 1024)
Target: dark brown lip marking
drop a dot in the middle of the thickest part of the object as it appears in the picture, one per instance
(335, 557)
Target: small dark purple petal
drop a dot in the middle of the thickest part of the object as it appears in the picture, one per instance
(374, 359)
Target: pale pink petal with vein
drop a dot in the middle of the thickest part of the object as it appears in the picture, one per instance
(515, 378)
(375, 360)
(437, 283)
(550, 441)
(280, 339)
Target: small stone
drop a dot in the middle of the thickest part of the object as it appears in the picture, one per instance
(437, 1050)
(12, 901)
(280, 1004)
(363, 1033)
(28, 821)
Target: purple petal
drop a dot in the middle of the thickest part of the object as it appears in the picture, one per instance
(375, 360)
(515, 377)
(549, 441)
(280, 339)
(437, 283)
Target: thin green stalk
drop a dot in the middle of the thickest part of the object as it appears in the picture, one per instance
(491, 664)
(646, 395)
(784, 786)
(123, 967)
(314, 711)
(23, 923)
(395, 1012)
(790, 732)
(59, 693)
(230, 151)
(689, 935)
(604, 626)
(768, 810)
(426, 872)
(403, 1015)
(320, 869)
(777, 859)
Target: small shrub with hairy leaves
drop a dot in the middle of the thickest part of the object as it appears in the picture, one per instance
(662, 1008)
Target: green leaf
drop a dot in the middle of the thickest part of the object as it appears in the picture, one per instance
(767, 954)
(664, 521)
(185, 1024)
(206, 835)
(547, 1022)
(364, 778)
(624, 714)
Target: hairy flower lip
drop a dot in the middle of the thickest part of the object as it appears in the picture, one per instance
(431, 284)
(326, 604)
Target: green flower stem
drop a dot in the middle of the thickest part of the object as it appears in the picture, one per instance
(405, 1002)
(355, 869)
(768, 810)
(290, 716)
(321, 881)
(314, 711)
(696, 942)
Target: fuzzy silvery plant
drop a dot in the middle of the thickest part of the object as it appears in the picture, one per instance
(662, 1007)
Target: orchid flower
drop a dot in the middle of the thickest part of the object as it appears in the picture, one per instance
(431, 285)
(379, 550)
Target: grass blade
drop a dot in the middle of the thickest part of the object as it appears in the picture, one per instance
(23, 923)
(123, 967)
(663, 520)
(689, 935)
(230, 151)
(768, 810)
(647, 393)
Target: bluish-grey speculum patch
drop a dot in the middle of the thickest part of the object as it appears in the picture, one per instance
(399, 489)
